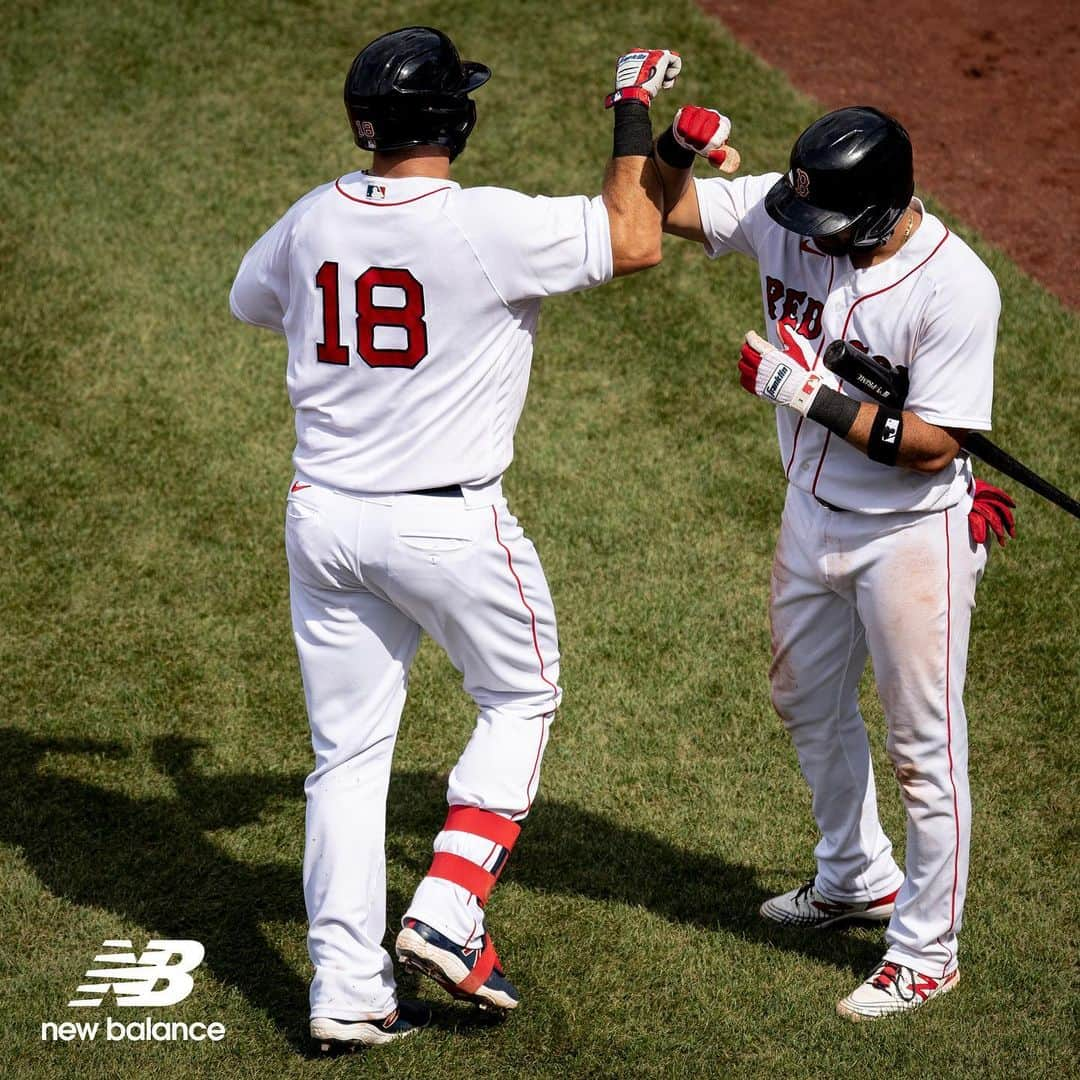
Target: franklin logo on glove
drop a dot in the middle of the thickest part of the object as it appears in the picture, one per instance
(779, 377)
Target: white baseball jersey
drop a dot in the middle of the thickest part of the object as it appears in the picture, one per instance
(931, 308)
(410, 307)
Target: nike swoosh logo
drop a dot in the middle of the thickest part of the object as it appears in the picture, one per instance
(299, 487)
(804, 245)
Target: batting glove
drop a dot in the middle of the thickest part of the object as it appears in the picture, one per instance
(640, 75)
(992, 511)
(780, 377)
(705, 131)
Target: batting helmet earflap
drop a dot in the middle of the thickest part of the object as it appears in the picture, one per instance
(410, 88)
(852, 169)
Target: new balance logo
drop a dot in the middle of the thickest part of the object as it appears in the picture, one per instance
(134, 980)
(924, 988)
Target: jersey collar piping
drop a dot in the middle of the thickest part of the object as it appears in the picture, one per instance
(395, 191)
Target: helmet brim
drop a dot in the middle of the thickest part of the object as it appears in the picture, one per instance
(475, 75)
(799, 216)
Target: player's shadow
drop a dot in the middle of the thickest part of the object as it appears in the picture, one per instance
(152, 861)
(568, 850)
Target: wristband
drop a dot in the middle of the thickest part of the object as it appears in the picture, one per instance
(885, 435)
(633, 130)
(833, 410)
(671, 153)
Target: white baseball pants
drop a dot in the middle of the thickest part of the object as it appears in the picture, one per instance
(901, 588)
(366, 575)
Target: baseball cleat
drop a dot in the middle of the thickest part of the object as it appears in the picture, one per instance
(808, 909)
(332, 1034)
(467, 974)
(892, 988)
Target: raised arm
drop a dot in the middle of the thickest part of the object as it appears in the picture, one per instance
(632, 192)
(694, 131)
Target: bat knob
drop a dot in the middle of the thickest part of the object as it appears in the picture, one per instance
(834, 354)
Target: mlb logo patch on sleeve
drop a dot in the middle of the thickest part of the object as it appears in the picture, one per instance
(376, 192)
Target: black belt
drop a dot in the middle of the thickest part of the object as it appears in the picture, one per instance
(449, 491)
(829, 506)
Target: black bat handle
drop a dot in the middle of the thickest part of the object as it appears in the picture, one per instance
(996, 458)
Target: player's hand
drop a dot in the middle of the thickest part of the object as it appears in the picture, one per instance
(779, 376)
(641, 74)
(706, 132)
(991, 512)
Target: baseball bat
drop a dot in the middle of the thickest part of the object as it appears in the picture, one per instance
(978, 444)
(890, 387)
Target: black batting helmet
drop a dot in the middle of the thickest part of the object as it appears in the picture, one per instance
(409, 88)
(851, 169)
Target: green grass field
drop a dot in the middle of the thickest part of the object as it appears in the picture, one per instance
(153, 740)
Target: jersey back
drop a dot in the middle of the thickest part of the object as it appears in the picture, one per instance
(410, 308)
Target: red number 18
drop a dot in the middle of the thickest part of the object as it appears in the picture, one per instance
(369, 315)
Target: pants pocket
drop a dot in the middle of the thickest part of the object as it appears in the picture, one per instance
(434, 542)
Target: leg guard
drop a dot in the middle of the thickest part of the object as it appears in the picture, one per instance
(464, 972)
(464, 872)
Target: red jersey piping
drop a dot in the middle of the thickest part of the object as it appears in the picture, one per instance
(843, 337)
(380, 202)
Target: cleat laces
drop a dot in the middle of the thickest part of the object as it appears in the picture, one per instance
(886, 977)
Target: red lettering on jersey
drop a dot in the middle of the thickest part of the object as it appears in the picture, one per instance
(792, 302)
(774, 290)
(330, 350)
(789, 317)
(409, 316)
(810, 327)
(795, 312)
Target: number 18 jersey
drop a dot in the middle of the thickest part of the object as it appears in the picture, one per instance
(410, 307)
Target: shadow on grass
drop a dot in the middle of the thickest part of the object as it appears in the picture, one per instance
(149, 860)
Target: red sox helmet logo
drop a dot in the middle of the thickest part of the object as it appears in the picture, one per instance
(802, 183)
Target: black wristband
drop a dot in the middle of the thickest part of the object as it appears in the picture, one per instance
(885, 435)
(834, 411)
(671, 153)
(633, 130)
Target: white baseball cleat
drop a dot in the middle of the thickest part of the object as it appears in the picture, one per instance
(332, 1034)
(808, 909)
(892, 988)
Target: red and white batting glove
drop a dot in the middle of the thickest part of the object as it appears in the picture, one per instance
(705, 132)
(640, 75)
(992, 511)
(780, 377)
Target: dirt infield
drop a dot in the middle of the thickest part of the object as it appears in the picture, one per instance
(989, 92)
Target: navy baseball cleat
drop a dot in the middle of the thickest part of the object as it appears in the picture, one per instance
(468, 974)
(332, 1034)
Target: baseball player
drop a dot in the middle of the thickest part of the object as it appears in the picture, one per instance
(883, 536)
(409, 306)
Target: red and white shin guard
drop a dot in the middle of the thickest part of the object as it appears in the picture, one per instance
(475, 875)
